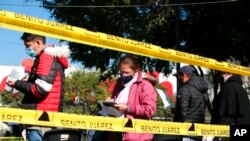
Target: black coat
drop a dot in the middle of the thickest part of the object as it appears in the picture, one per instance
(231, 105)
(190, 105)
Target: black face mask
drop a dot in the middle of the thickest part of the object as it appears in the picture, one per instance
(126, 79)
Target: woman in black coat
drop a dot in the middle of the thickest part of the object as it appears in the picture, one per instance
(231, 105)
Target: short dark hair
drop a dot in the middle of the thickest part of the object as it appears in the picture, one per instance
(27, 37)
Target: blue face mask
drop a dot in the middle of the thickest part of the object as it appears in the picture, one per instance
(30, 52)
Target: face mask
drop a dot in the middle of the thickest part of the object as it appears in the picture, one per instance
(30, 52)
(126, 79)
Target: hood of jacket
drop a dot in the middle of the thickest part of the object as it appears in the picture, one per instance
(199, 83)
(234, 78)
(60, 52)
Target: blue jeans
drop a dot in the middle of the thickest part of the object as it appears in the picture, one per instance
(90, 134)
(35, 135)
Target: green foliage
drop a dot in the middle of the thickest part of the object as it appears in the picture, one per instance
(82, 91)
(161, 111)
(10, 100)
(147, 23)
(216, 30)
(164, 113)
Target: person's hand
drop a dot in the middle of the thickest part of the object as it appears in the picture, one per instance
(109, 99)
(11, 82)
(122, 107)
(26, 77)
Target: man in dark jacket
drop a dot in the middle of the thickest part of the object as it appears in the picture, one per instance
(190, 100)
(231, 106)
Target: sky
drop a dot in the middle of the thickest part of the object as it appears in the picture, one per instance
(12, 49)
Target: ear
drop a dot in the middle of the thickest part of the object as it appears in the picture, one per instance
(39, 42)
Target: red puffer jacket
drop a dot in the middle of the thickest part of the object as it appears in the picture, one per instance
(45, 87)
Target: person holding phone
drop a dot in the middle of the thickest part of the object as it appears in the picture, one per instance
(134, 95)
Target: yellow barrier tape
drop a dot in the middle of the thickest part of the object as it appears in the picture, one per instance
(62, 31)
(53, 119)
(11, 138)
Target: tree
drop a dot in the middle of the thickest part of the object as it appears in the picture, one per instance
(214, 30)
(148, 23)
(218, 30)
(8, 99)
(82, 92)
